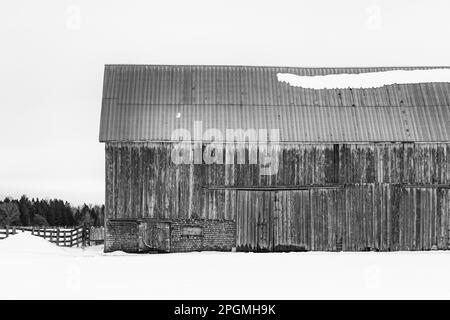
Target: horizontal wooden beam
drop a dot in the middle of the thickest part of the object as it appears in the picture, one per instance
(274, 188)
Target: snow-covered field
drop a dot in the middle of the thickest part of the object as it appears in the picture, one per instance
(31, 267)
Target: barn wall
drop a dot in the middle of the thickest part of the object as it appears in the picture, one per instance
(143, 182)
(354, 196)
(351, 218)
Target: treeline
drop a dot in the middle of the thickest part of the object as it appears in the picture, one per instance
(53, 212)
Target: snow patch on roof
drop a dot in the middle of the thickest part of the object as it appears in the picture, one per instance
(365, 80)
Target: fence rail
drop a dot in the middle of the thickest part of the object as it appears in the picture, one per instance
(61, 236)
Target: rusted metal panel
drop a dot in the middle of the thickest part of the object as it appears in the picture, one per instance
(252, 85)
(146, 103)
(295, 124)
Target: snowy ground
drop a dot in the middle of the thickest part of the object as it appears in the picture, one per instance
(31, 267)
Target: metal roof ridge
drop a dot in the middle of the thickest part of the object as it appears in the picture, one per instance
(272, 66)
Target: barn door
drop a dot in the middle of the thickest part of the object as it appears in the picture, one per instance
(289, 220)
(254, 220)
(154, 236)
(272, 220)
(423, 218)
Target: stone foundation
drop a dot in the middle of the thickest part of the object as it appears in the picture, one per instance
(122, 235)
(185, 235)
(198, 235)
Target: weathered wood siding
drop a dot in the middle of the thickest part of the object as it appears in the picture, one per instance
(255, 220)
(388, 196)
(352, 218)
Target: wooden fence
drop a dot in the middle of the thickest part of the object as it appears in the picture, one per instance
(4, 233)
(61, 236)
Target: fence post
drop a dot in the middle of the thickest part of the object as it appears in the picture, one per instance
(57, 236)
(83, 236)
(7, 232)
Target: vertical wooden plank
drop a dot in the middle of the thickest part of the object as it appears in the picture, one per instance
(312, 213)
(254, 208)
(109, 165)
(341, 234)
(239, 218)
(260, 221)
(346, 222)
(282, 217)
(384, 218)
(439, 219)
(433, 235)
(418, 219)
(242, 213)
(250, 223)
(356, 218)
(287, 226)
(301, 165)
(269, 215)
(305, 218)
(245, 220)
(275, 218)
(446, 217)
(324, 238)
(403, 220)
(377, 216)
(250, 220)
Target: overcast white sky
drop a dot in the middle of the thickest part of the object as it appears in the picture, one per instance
(52, 64)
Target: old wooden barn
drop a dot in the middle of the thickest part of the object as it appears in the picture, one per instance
(358, 169)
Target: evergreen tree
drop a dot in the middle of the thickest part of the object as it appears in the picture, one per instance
(51, 212)
(24, 208)
(9, 214)
(40, 221)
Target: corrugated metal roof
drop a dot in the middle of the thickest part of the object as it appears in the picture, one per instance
(141, 103)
